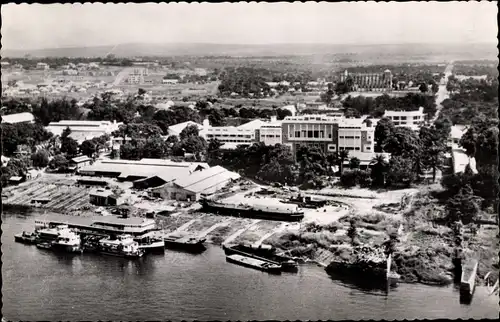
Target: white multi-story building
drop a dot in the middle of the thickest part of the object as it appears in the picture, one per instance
(411, 119)
(270, 133)
(230, 136)
(330, 134)
(135, 79)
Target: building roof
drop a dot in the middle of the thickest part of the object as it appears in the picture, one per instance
(177, 128)
(252, 125)
(15, 178)
(101, 193)
(167, 170)
(18, 118)
(206, 180)
(82, 158)
(457, 131)
(88, 221)
(460, 161)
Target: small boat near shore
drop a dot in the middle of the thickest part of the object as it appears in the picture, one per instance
(26, 238)
(468, 280)
(186, 243)
(122, 246)
(154, 245)
(254, 263)
(262, 253)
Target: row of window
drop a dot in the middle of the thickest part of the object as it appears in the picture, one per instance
(230, 135)
(311, 134)
(405, 118)
(350, 148)
(350, 137)
(270, 136)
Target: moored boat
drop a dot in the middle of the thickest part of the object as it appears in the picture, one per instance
(262, 253)
(122, 246)
(26, 238)
(186, 243)
(468, 279)
(68, 241)
(153, 245)
(254, 263)
(280, 211)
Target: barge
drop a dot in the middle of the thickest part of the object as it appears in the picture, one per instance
(305, 202)
(68, 242)
(254, 263)
(279, 212)
(185, 243)
(262, 253)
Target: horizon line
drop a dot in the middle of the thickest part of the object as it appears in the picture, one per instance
(254, 44)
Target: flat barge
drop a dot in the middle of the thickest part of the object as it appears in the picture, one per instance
(185, 243)
(262, 253)
(254, 263)
(468, 280)
(279, 212)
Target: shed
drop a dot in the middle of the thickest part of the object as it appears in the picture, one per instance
(15, 180)
(101, 197)
(79, 162)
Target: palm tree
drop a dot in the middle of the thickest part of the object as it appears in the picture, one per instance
(343, 155)
(379, 168)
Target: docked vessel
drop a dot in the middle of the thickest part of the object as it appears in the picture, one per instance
(68, 241)
(254, 263)
(26, 238)
(305, 202)
(281, 212)
(122, 246)
(263, 252)
(186, 243)
(152, 245)
(468, 280)
(44, 245)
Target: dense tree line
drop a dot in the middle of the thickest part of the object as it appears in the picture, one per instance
(375, 107)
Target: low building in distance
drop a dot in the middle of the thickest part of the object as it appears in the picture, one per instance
(83, 130)
(24, 117)
(367, 82)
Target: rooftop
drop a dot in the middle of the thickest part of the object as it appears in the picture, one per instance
(18, 118)
(203, 181)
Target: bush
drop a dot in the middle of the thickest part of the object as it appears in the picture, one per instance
(351, 178)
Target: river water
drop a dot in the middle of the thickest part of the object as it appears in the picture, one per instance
(40, 285)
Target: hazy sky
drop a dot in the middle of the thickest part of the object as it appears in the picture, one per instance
(69, 25)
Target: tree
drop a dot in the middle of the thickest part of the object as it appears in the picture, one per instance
(59, 162)
(354, 163)
(433, 159)
(40, 158)
(193, 144)
(390, 244)
(468, 142)
(384, 130)
(213, 151)
(65, 133)
(189, 131)
(435, 87)
(88, 148)
(423, 88)
(155, 148)
(379, 169)
(402, 142)
(141, 92)
(400, 172)
(464, 206)
(343, 155)
(69, 146)
(352, 231)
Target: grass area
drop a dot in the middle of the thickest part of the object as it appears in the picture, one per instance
(204, 223)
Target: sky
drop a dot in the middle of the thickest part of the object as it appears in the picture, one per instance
(36, 26)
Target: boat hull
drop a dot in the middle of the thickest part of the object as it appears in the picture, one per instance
(285, 265)
(45, 246)
(153, 248)
(75, 249)
(198, 247)
(25, 240)
(252, 213)
(123, 255)
(257, 267)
